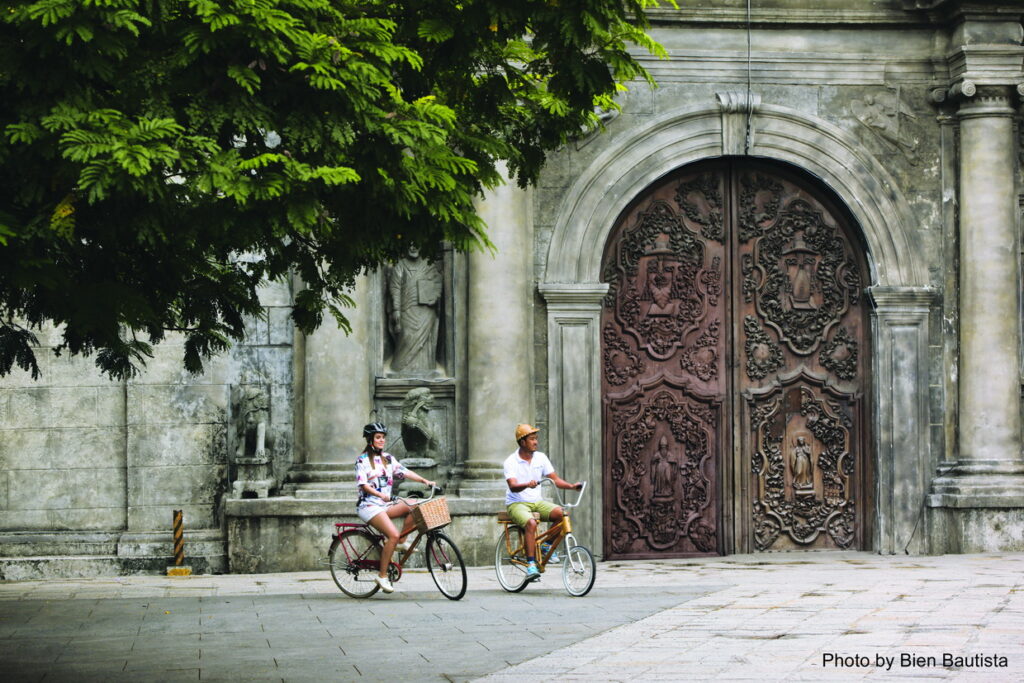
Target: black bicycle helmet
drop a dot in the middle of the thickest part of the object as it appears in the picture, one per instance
(374, 428)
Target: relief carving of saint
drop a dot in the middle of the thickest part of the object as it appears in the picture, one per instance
(802, 464)
(414, 295)
(663, 471)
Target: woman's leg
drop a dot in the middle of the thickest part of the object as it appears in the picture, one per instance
(409, 525)
(382, 523)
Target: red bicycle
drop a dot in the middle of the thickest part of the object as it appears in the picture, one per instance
(354, 556)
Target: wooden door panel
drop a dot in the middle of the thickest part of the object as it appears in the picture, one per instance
(800, 319)
(664, 370)
(734, 317)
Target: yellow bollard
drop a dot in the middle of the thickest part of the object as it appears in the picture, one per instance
(179, 548)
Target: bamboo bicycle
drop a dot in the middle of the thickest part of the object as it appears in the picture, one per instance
(354, 556)
(578, 567)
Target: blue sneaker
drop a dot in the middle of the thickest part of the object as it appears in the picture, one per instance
(532, 573)
(544, 548)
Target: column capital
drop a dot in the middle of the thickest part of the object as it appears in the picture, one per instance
(576, 295)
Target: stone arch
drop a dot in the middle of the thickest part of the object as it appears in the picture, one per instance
(591, 205)
(573, 292)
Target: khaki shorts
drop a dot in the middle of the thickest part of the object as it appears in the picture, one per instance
(521, 513)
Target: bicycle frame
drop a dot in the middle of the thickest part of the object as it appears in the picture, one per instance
(357, 559)
(555, 535)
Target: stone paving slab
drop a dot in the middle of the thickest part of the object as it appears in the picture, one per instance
(297, 627)
(828, 617)
(765, 617)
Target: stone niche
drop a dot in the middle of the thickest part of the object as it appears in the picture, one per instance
(421, 420)
(416, 387)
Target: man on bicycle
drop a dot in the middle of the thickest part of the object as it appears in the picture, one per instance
(524, 470)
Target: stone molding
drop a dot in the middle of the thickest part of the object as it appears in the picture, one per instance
(601, 191)
(738, 109)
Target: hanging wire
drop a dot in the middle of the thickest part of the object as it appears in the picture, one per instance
(749, 100)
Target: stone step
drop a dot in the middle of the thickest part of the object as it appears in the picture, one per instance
(321, 493)
(32, 544)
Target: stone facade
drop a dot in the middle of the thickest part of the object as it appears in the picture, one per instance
(907, 112)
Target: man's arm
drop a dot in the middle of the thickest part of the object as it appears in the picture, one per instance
(562, 483)
(515, 487)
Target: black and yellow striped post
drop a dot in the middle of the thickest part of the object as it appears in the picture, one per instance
(178, 569)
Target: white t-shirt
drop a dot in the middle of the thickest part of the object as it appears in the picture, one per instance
(522, 471)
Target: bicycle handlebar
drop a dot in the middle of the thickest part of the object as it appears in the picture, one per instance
(561, 496)
(434, 490)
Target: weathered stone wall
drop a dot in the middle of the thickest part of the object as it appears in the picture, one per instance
(91, 469)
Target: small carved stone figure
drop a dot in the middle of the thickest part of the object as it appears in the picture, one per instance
(414, 294)
(893, 123)
(662, 471)
(418, 435)
(253, 467)
(803, 478)
(252, 413)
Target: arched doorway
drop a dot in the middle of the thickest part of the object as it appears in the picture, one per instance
(735, 367)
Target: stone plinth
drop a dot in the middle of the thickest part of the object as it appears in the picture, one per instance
(285, 534)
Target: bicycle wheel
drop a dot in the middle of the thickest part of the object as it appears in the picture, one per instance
(511, 571)
(355, 560)
(578, 571)
(446, 566)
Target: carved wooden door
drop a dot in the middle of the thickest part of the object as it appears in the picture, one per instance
(734, 350)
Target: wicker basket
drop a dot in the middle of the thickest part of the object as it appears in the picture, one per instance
(432, 514)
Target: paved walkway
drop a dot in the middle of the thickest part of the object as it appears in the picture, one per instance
(819, 616)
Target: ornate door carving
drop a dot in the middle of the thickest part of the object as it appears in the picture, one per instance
(734, 349)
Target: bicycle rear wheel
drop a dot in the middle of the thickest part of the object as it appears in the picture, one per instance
(446, 566)
(355, 561)
(578, 571)
(511, 571)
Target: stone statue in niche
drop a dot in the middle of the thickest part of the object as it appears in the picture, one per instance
(801, 461)
(414, 289)
(251, 410)
(663, 471)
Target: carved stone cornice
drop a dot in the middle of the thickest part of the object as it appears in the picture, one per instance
(947, 9)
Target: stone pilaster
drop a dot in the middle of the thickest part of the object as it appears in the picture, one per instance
(905, 462)
(499, 319)
(979, 499)
(574, 393)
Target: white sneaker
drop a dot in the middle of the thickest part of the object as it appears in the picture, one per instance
(385, 585)
(403, 546)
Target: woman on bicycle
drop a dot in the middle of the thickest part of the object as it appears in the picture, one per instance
(375, 475)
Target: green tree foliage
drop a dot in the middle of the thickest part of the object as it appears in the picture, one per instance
(160, 159)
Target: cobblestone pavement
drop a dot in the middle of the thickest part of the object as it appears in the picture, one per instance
(818, 616)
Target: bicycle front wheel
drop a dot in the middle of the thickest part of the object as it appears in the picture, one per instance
(446, 566)
(355, 561)
(578, 571)
(511, 569)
